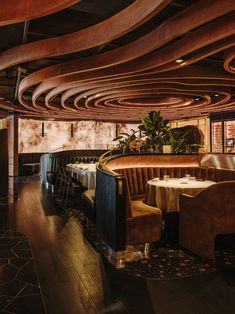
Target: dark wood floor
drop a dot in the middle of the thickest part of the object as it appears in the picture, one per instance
(75, 279)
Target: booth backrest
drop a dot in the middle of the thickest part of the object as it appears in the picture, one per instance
(62, 161)
(137, 178)
(28, 162)
(111, 209)
(25, 158)
(63, 158)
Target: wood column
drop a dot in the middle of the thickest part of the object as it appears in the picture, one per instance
(13, 145)
(3, 166)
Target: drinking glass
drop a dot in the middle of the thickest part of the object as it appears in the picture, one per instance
(166, 177)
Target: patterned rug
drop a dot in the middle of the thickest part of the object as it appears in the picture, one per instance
(166, 261)
(19, 287)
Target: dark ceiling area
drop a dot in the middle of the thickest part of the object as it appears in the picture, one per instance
(116, 60)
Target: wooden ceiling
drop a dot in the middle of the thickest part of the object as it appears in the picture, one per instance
(115, 60)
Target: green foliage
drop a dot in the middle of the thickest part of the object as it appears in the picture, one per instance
(192, 138)
(156, 129)
(177, 144)
(125, 139)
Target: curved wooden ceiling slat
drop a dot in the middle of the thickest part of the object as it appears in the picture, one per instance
(159, 57)
(203, 72)
(184, 67)
(167, 31)
(165, 55)
(103, 32)
(229, 60)
(15, 11)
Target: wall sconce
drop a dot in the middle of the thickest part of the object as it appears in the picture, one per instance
(43, 130)
(71, 130)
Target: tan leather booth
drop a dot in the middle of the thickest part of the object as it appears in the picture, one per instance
(134, 171)
(206, 215)
(137, 178)
(119, 220)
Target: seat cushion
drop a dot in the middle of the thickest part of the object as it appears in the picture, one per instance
(145, 226)
(89, 196)
(139, 208)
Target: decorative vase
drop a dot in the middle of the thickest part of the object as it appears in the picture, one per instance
(166, 149)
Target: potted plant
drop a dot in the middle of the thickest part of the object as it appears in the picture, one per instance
(136, 144)
(156, 130)
(125, 139)
(189, 138)
(167, 146)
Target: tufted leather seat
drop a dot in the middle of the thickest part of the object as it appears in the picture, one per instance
(137, 178)
(206, 215)
(143, 222)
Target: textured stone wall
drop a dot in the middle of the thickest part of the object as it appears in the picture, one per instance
(57, 135)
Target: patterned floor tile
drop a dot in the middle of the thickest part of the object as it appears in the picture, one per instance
(19, 287)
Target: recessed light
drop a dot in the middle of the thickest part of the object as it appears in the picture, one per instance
(179, 60)
(197, 98)
(216, 95)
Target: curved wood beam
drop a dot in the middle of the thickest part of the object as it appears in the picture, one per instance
(127, 82)
(131, 17)
(203, 36)
(229, 60)
(193, 72)
(199, 77)
(198, 55)
(194, 57)
(15, 11)
(98, 101)
(172, 28)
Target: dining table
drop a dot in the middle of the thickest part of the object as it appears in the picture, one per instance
(85, 173)
(164, 194)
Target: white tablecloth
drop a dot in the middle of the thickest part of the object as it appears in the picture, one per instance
(45, 165)
(84, 173)
(165, 194)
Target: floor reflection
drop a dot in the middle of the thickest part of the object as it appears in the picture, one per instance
(75, 278)
(13, 193)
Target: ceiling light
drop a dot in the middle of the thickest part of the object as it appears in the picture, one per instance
(179, 60)
(197, 98)
(216, 95)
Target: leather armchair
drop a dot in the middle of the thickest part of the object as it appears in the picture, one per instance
(206, 215)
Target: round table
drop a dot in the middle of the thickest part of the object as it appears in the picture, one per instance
(165, 194)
